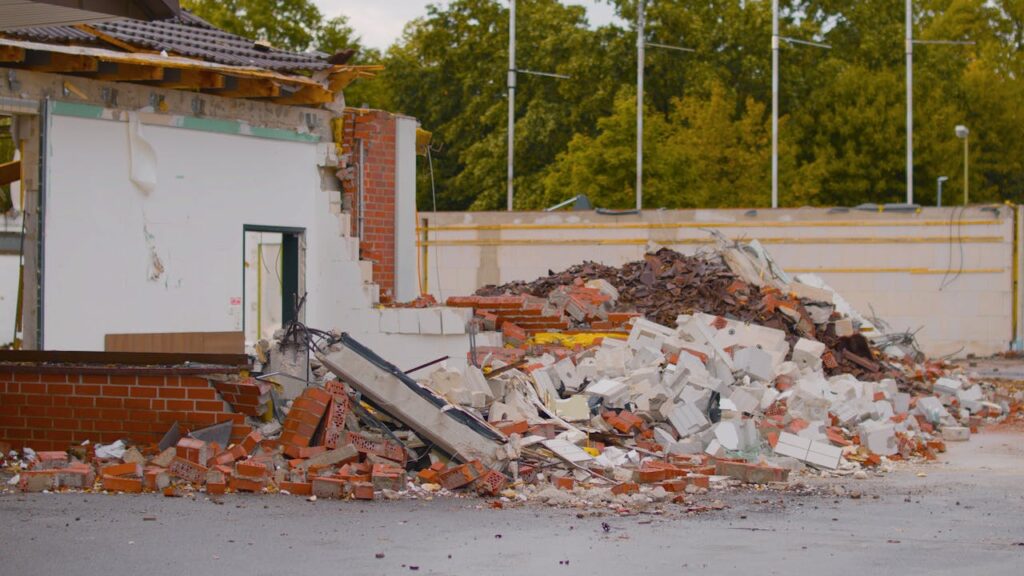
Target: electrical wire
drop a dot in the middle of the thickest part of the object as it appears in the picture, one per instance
(960, 243)
(956, 218)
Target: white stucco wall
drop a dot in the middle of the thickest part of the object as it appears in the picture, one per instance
(102, 231)
(8, 296)
(947, 272)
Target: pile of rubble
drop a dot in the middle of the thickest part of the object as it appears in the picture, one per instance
(666, 284)
(666, 377)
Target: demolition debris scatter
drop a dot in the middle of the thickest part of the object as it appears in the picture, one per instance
(616, 387)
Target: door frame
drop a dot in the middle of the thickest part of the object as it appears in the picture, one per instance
(293, 257)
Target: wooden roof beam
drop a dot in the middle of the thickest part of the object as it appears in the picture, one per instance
(58, 62)
(236, 87)
(306, 96)
(120, 72)
(187, 79)
(12, 54)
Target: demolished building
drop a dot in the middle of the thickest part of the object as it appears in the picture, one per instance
(585, 403)
(170, 165)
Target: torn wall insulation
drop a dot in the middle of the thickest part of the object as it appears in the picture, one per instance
(451, 428)
(142, 156)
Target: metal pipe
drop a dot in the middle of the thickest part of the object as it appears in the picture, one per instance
(910, 100)
(427, 365)
(775, 103)
(360, 190)
(640, 25)
(511, 100)
(938, 202)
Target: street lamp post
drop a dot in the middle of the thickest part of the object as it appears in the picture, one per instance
(513, 71)
(776, 40)
(963, 133)
(938, 197)
(909, 49)
(511, 102)
(641, 56)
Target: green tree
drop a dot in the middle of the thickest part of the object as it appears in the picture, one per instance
(296, 25)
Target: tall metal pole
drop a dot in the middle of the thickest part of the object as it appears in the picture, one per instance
(640, 24)
(775, 103)
(511, 100)
(910, 101)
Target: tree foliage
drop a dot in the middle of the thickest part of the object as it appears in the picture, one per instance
(287, 24)
(707, 114)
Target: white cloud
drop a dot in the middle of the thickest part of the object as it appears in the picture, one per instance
(380, 22)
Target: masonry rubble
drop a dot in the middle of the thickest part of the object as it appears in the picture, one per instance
(617, 386)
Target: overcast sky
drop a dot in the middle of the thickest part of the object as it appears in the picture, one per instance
(380, 22)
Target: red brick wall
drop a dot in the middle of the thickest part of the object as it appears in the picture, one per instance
(50, 408)
(376, 130)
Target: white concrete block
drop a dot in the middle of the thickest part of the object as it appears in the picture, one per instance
(566, 372)
(932, 409)
(715, 449)
(727, 435)
(648, 334)
(756, 363)
(807, 353)
(698, 397)
(900, 402)
(454, 320)
(586, 369)
(644, 357)
(430, 321)
(879, 438)
(808, 292)
(948, 386)
(972, 394)
(573, 409)
(793, 446)
(844, 327)
(545, 384)
(475, 380)
(613, 394)
(824, 455)
(956, 433)
(744, 400)
(389, 322)
(663, 437)
(687, 419)
(408, 321)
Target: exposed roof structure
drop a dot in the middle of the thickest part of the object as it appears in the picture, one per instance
(183, 53)
(184, 35)
(18, 13)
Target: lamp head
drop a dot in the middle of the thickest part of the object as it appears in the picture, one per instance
(943, 178)
(962, 131)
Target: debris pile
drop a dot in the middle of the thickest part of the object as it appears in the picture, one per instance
(666, 284)
(617, 387)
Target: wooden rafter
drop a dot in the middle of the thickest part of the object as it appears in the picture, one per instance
(12, 54)
(179, 79)
(112, 40)
(127, 72)
(249, 88)
(60, 62)
(306, 96)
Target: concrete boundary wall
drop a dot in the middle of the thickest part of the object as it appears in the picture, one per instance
(947, 273)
